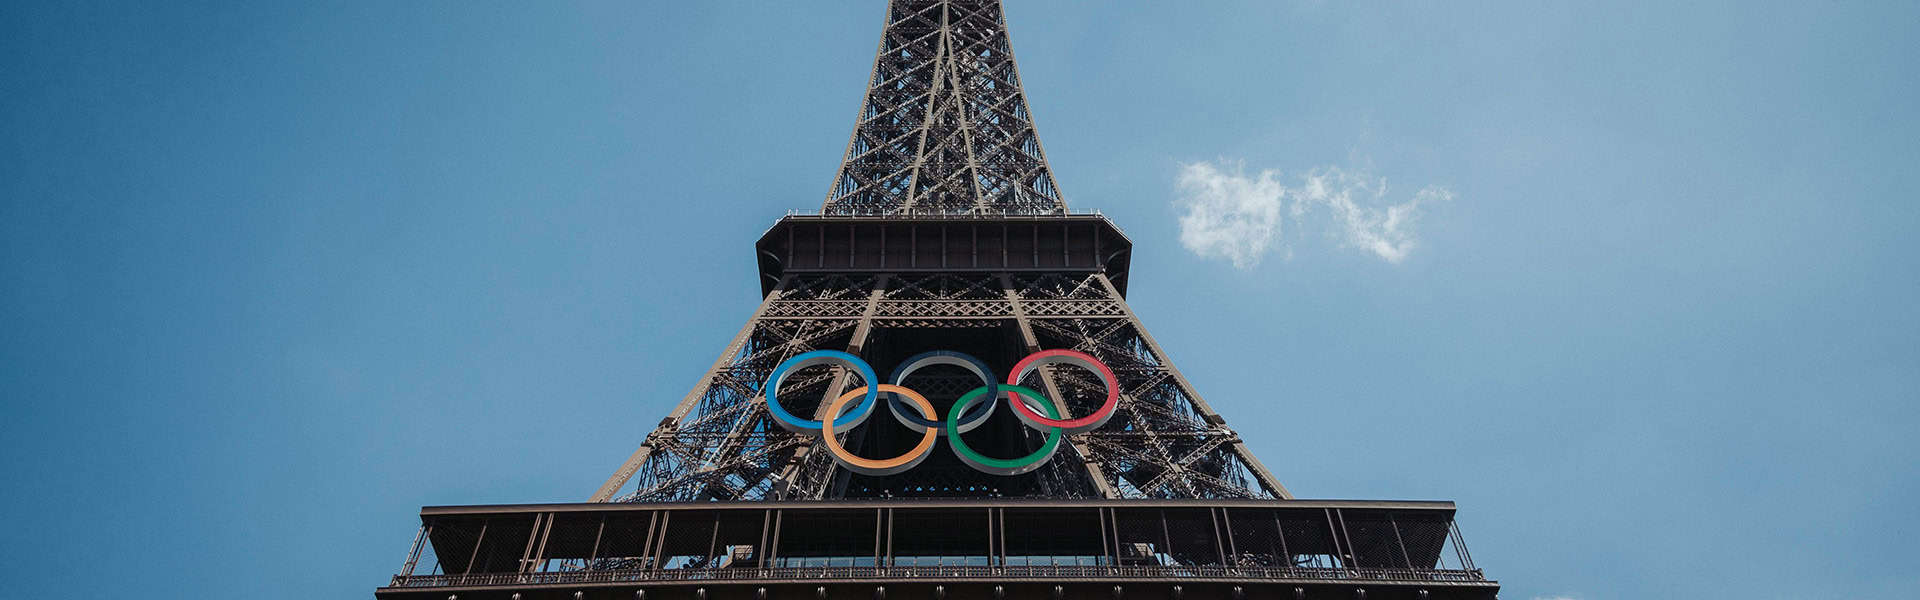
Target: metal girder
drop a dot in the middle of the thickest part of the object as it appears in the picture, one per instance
(944, 128)
(945, 158)
(943, 230)
(1164, 441)
(1017, 548)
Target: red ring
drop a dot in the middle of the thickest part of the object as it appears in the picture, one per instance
(1071, 425)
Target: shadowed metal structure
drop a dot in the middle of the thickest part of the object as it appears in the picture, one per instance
(945, 129)
(943, 231)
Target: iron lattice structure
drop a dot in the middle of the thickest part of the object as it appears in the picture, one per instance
(943, 231)
(945, 128)
(945, 146)
(1164, 442)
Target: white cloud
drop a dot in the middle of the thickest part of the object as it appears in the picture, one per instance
(1240, 218)
(1229, 215)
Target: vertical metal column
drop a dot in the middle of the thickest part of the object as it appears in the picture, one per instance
(773, 553)
(991, 554)
(594, 554)
(1333, 532)
(889, 562)
(999, 527)
(646, 543)
(660, 544)
(879, 530)
(1218, 549)
(413, 555)
(1460, 546)
(477, 544)
(760, 552)
(1101, 514)
(1408, 560)
(1233, 550)
(1166, 538)
(1353, 555)
(540, 554)
(1280, 531)
(713, 541)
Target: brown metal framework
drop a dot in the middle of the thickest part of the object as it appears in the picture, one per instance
(1034, 284)
(944, 230)
(944, 218)
(945, 128)
(928, 549)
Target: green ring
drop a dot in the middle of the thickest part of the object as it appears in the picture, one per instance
(1012, 466)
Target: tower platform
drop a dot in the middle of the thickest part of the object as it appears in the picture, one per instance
(931, 549)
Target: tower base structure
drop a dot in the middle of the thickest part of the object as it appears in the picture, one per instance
(933, 550)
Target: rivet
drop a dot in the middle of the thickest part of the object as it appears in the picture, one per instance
(999, 592)
(879, 592)
(1239, 593)
(1119, 592)
(1176, 592)
(820, 592)
(939, 592)
(760, 594)
(1299, 593)
(700, 593)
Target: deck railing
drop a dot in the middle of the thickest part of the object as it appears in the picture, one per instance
(1061, 572)
(939, 214)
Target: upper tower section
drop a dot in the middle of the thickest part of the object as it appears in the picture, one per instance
(944, 129)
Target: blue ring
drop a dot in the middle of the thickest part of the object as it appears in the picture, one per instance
(787, 421)
(907, 413)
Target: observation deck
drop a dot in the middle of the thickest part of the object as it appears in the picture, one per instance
(1067, 241)
(936, 549)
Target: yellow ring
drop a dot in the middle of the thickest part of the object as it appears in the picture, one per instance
(888, 466)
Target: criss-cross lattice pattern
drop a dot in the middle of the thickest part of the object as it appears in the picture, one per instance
(945, 128)
(726, 448)
(944, 131)
(1160, 443)
(1163, 442)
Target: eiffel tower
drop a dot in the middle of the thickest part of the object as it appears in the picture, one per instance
(1030, 438)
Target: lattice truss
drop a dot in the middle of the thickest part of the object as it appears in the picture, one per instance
(726, 448)
(944, 128)
(1163, 442)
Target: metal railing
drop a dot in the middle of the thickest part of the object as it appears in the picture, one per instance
(931, 214)
(915, 215)
(1050, 572)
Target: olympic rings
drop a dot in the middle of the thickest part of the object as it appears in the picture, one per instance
(941, 357)
(1000, 466)
(820, 357)
(963, 417)
(881, 467)
(1082, 360)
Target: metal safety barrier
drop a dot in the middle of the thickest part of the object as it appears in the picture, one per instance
(1050, 572)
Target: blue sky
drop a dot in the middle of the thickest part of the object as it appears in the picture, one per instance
(276, 275)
